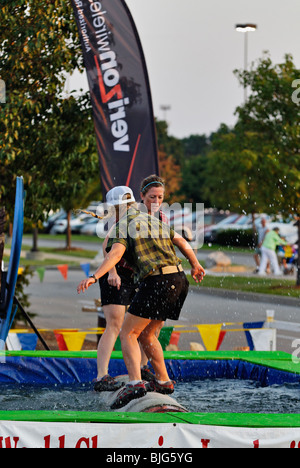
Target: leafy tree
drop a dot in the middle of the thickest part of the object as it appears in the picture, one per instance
(256, 167)
(196, 148)
(170, 172)
(44, 133)
(170, 153)
(167, 143)
(195, 145)
(77, 164)
(193, 179)
(273, 119)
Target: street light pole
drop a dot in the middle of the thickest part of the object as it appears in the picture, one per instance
(165, 109)
(245, 28)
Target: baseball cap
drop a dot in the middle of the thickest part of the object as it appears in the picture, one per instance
(117, 196)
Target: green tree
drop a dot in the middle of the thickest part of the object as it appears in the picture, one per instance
(75, 166)
(256, 167)
(170, 155)
(193, 167)
(273, 120)
(194, 145)
(44, 133)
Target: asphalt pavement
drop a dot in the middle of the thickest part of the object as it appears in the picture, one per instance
(57, 305)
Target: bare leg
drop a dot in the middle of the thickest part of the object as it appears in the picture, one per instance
(151, 345)
(144, 360)
(131, 331)
(114, 315)
(257, 260)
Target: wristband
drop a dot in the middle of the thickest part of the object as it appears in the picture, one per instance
(93, 276)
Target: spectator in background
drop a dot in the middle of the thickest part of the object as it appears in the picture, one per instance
(271, 242)
(262, 230)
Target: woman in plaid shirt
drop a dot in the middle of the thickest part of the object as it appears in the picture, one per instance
(148, 246)
(117, 289)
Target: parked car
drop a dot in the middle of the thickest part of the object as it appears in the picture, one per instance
(61, 214)
(61, 224)
(94, 227)
(188, 224)
(211, 233)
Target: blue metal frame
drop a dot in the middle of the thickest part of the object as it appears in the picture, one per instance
(14, 261)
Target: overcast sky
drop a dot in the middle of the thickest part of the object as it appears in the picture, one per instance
(191, 49)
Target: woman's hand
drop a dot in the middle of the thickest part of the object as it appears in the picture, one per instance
(198, 273)
(85, 284)
(114, 280)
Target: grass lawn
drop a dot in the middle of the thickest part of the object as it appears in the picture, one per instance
(42, 263)
(278, 287)
(252, 284)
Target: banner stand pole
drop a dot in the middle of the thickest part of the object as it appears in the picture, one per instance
(28, 319)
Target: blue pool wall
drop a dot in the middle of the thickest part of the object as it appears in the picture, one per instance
(52, 371)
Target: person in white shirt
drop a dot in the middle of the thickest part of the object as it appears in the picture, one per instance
(262, 230)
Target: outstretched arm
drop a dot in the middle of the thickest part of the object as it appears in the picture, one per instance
(197, 271)
(111, 259)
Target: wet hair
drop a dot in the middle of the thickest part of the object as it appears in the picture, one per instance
(151, 181)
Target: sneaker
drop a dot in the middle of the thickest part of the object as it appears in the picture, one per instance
(166, 388)
(147, 374)
(128, 393)
(107, 384)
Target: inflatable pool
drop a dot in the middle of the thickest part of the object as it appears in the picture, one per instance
(174, 428)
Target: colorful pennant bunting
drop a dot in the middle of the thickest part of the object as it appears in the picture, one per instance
(41, 272)
(248, 334)
(70, 340)
(86, 268)
(210, 335)
(64, 270)
(264, 339)
(21, 341)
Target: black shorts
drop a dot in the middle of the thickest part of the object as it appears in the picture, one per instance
(111, 294)
(160, 297)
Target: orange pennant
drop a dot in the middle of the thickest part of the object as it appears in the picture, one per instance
(64, 270)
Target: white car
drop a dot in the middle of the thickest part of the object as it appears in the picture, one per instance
(53, 219)
(94, 227)
(60, 226)
(211, 233)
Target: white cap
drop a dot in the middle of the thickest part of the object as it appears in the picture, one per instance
(116, 196)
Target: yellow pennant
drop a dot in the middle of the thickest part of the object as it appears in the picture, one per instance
(74, 340)
(210, 335)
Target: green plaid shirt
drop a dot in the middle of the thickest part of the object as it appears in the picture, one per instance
(148, 243)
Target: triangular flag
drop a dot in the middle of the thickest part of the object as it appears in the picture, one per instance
(74, 340)
(86, 268)
(221, 338)
(60, 340)
(248, 334)
(41, 272)
(64, 270)
(210, 335)
(13, 342)
(28, 341)
(264, 339)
